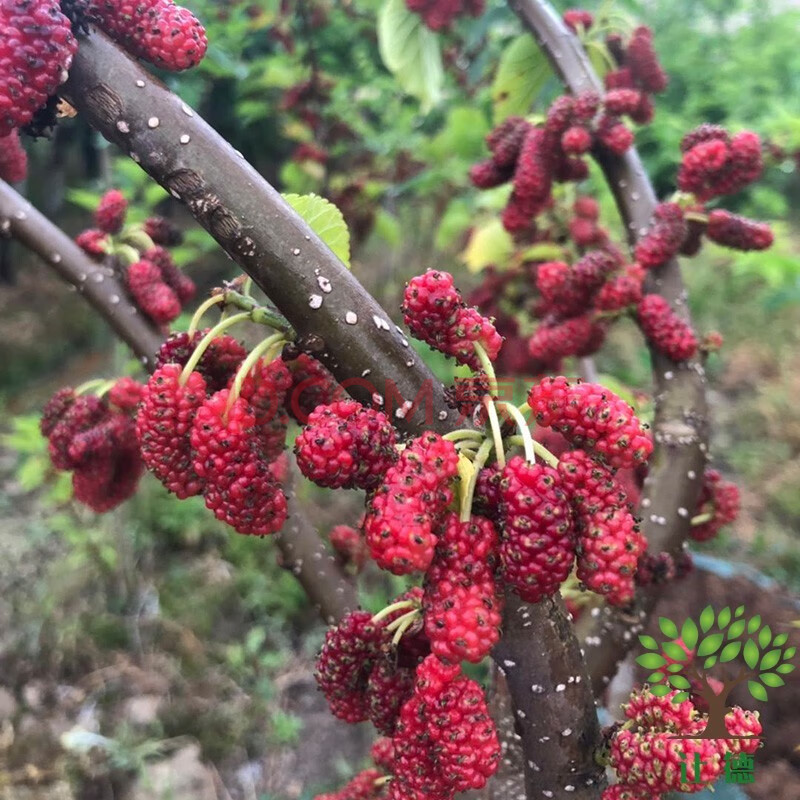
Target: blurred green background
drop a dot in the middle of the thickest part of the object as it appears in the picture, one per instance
(179, 643)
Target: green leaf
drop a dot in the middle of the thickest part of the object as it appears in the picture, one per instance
(655, 677)
(739, 611)
(757, 690)
(679, 682)
(770, 659)
(724, 618)
(706, 619)
(771, 679)
(709, 662)
(780, 640)
(489, 243)
(689, 634)
(754, 624)
(737, 629)
(661, 690)
(785, 669)
(675, 651)
(648, 642)
(651, 661)
(764, 637)
(730, 651)
(675, 667)
(520, 77)
(751, 654)
(325, 219)
(709, 645)
(680, 697)
(788, 653)
(668, 627)
(544, 251)
(411, 52)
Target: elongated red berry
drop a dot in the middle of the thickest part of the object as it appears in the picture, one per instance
(592, 417)
(345, 445)
(739, 233)
(403, 512)
(159, 31)
(578, 336)
(312, 386)
(13, 159)
(575, 18)
(109, 215)
(36, 50)
(643, 61)
(240, 489)
(218, 364)
(537, 550)
(151, 294)
(93, 242)
(622, 290)
(163, 427)
(171, 274)
(126, 394)
(664, 329)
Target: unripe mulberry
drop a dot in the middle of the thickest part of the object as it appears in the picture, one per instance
(720, 499)
(404, 510)
(487, 175)
(592, 417)
(240, 489)
(110, 213)
(664, 329)
(622, 101)
(159, 31)
(739, 233)
(538, 548)
(533, 178)
(345, 445)
(163, 427)
(36, 50)
(664, 238)
(13, 159)
(654, 713)
(506, 140)
(67, 421)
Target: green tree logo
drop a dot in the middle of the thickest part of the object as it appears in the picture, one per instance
(735, 648)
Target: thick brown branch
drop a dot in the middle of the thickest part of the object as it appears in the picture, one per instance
(302, 550)
(680, 428)
(96, 284)
(334, 317)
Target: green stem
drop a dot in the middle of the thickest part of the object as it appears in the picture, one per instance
(488, 368)
(696, 216)
(481, 458)
(105, 387)
(409, 617)
(136, 237)
(258, 313)
(247, 286)
(522, 425)
(89, 385)
(390, 609)
(401, 630)
(270, 343)
(201, 310)
(126, 254)
(382, 781)
(462, 433)
(701, 519)
(497, 434)
(206, 341)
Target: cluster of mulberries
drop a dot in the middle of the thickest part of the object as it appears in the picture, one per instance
(95, 439)
(436, 314)
(36, 51)
(158, 31)
(654, 755)
(440, 14)
(720, 500)
(197, 439)
(157, 285)
(638, 76)
(534, 157)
